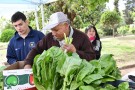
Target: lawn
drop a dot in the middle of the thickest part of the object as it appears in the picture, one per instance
(3, 50)
(123, 49)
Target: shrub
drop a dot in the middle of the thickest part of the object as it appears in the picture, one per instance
(7, 35)
(132, 29)
(107, 31)
(123, 30)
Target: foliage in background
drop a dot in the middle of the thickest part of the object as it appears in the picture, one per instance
(123, 30)
(107, 31)
(100, 32)
(8, 26)
(126, 29)
(7, 35)
(4, 24)
(31, 19)
(110, 19)
(130, 9)
(116, 6)
(90, 17)
(132, 28)
(130, 4)
(79, 12)
(127, 17)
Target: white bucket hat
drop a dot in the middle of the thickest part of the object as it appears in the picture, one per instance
(55, 19)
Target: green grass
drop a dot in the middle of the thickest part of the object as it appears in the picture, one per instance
(119, 47)
(116, 47)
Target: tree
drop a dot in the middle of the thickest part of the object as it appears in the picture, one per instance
(2, 24)
(5, 24)
(130, 5)
(127, 17)
(116, 8)
(110, 19)
(31, 18)
(6, 35)
(78, 11)
(92, 16)
(133, 15)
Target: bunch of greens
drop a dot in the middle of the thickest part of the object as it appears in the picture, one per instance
(55, 70)
(1, 77)
(1, 81)
(68, 40)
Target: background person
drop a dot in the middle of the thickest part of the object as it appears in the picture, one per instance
(59, 24)
(94, 38)
(24, 39)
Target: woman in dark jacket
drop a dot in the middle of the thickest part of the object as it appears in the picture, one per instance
(92, 33)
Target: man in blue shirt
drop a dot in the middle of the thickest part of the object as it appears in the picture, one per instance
(24, 39)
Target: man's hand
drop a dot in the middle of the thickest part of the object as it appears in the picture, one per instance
(69, 48)
(27, 67)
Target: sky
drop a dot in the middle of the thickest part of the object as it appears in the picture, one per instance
(7, 10)
(111, 6)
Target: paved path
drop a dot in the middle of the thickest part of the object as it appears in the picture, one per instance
(127, 69)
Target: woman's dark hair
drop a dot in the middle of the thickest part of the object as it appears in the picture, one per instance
(89, 27)
(17, 16)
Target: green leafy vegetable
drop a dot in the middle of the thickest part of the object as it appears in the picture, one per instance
(68, 40)
(86, 88)
(56, 70)
(123, 86)
(1, 77)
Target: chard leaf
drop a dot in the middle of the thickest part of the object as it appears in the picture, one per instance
(97, 66)
(87, 69)
(123, 86)
(107, 79)
(97, 82)
(92, 77)
(98, 69)
(45, 69)
(86, 88)
(109, 66)
(110, 87)
(69, 68)
(74, 85)
(116, 73)
(107, 63)
(70, 62)
(37, 67)
(37, 77)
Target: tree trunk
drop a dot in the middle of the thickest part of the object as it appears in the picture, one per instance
(113, 32)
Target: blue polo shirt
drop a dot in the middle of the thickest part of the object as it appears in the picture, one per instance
(18, 47)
